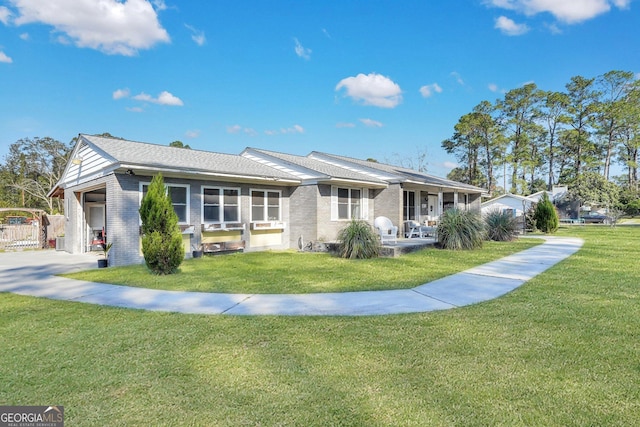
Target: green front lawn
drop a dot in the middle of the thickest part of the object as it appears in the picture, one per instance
(293, 272)
(562, 350)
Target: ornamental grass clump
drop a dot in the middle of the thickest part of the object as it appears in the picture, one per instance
(460, 229)
(500, 226)
(161, 238)
(358, 241)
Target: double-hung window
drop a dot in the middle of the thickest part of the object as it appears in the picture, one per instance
(220, 205)
(349, 203)
(265, 205)
(179, 195)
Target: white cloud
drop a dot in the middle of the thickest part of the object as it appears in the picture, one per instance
(458, 77)
(509, 27)
(284, 131)
(197, 35)
(428, 90)
(326, 33)
(372, 89)
(24, 36)
(110, 26)
(493, 87)
(302, 51)
(164, 98)
(234, 129)
(271, 132)
(135, 109)
(450, 165)
(371, 123)
(239, 129)
(143, 97)
(159, 4)
(292, 129)
(345, 125)
(5, 14)
(121, 93)
(192, 133)
(553, 28)
(4, 58)
(567, 11)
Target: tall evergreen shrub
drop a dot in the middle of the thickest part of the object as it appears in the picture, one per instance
(546, 216)
(161, 238)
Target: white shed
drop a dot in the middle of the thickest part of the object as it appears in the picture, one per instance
(508, 202)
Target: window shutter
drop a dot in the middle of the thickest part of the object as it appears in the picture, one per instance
(365, 203)
(334, 203)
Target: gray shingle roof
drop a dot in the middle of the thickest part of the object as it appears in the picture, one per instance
(317, 166)
(402, 174)
(325, 170)
(166, 157)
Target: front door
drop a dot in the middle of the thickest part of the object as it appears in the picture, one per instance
(432, 207)
(95, 219)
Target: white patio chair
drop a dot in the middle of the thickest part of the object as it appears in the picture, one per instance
(412, 229)
(386, 230)
(415, 229)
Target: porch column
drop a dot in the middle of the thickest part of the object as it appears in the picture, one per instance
(455, 199)
(440, 203)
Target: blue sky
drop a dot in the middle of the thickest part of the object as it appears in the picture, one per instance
(358, 78)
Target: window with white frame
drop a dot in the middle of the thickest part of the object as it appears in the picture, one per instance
(265, 205)
(220, 205)
(179, 194)
(409, 205)
(349, 203)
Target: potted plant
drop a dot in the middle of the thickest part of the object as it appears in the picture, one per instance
(106, 247)
(197, 251)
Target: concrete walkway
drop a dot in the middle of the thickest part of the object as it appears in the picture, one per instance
(32, 273)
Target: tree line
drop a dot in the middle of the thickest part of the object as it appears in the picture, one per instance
(33, 166)
(539, 138)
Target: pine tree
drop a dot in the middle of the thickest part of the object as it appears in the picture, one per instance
(161, 239)
(545, 215)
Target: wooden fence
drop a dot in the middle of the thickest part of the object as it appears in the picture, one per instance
(25, 236)
(32, 236)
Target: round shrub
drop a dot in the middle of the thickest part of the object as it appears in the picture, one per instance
(460, 229)
(358, 241)
(501, 226)
(633, 208)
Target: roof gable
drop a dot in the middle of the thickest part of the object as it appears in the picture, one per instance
(154, 157)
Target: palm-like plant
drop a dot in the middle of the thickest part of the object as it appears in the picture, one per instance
(501, 226)
(460, 229)
(358, 241)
